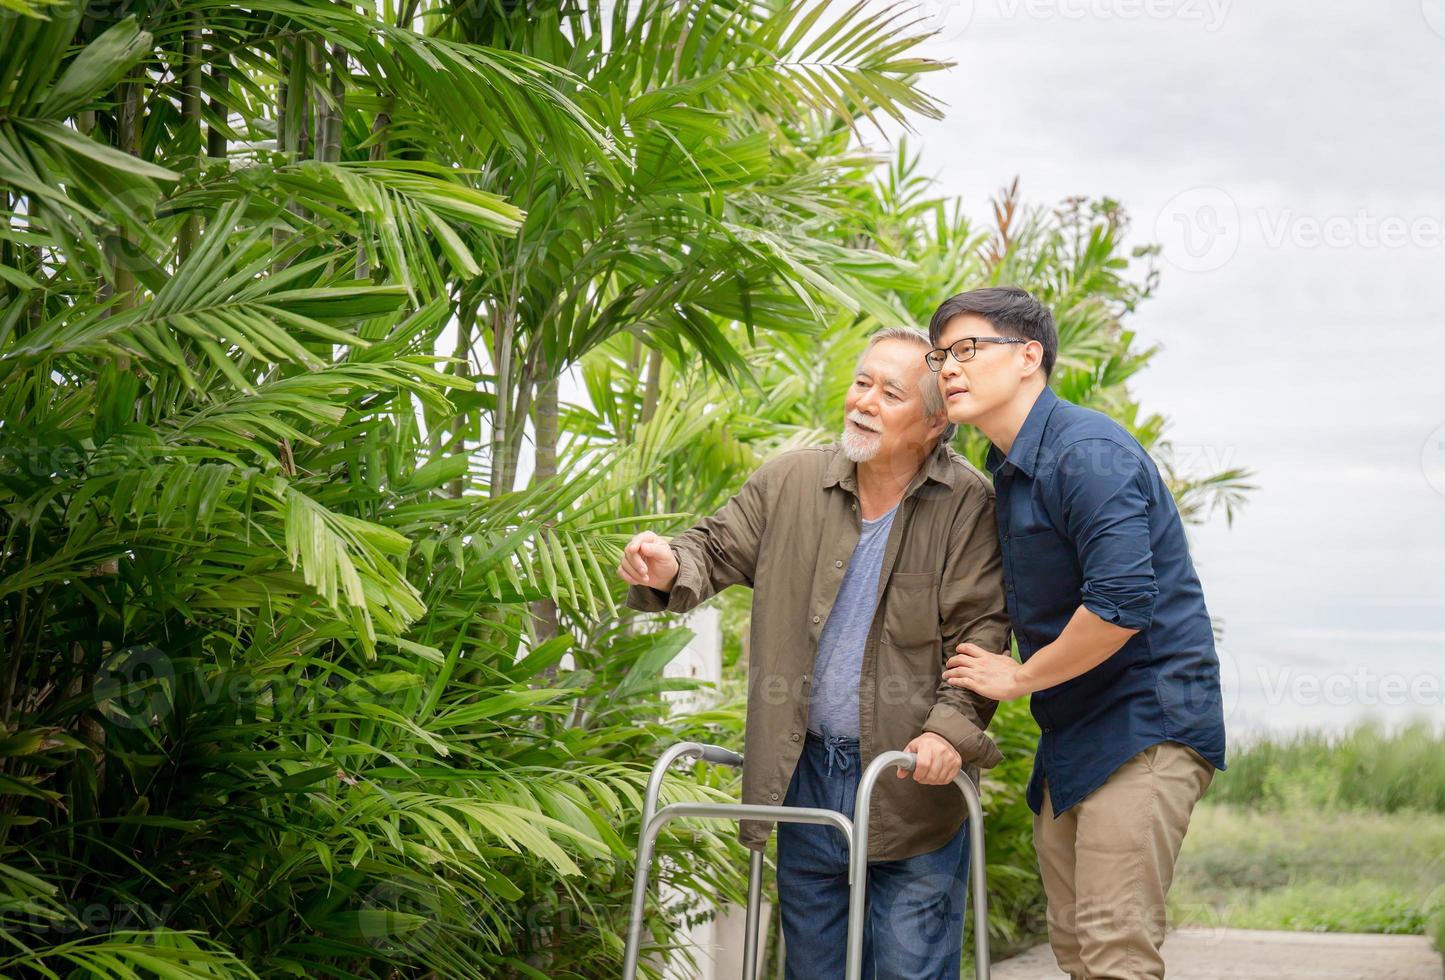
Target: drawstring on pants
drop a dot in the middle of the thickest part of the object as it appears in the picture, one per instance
(833, 746)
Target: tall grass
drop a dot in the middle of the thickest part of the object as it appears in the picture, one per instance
(1367, 768)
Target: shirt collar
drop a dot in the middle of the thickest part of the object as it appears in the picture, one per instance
(843, 471)
(1025, 452)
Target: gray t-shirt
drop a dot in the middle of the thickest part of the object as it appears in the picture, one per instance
(839, 664)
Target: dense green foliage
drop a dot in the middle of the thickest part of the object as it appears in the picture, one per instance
(301, 676)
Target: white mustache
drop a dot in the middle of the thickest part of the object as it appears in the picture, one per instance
(861, 422)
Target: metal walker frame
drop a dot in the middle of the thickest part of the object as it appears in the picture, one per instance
(854, 830)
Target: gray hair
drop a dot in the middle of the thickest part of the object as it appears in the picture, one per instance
(928, 387)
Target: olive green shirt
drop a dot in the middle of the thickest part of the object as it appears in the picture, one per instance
(789, 533)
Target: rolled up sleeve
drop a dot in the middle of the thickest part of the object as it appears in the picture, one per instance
(971, 610)
(1103, 490)
(716, 552)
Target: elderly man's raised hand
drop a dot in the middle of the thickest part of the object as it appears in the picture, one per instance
(648, 560)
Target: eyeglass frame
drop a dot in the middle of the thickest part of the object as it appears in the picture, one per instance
(927, 358)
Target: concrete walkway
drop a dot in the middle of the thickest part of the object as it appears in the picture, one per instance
(1245, 954)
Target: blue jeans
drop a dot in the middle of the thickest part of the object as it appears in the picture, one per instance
(913, 928)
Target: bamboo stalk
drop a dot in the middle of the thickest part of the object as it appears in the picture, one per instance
(216, 145)
(191, 126)
(544, 422)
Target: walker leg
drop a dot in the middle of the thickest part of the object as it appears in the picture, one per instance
(755, 906)
(978, 872)
(639, 901)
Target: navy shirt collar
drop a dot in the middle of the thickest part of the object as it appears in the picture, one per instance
(1025, 452)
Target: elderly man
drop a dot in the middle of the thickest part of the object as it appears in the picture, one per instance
(870, 561)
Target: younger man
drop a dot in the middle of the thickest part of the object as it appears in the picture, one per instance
(1116, 642)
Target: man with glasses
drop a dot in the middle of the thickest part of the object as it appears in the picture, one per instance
(870, 560)
(1116, 643)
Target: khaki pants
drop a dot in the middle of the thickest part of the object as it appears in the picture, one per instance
(1108, 862)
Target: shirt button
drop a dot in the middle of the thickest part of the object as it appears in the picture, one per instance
(837, 564)
(795, 736)
(774, 797)
(854, 506)
(815, 619)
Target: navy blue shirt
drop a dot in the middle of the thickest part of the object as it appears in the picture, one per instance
(1084, 518)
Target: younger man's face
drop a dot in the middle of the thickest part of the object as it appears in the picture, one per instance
(991, 378)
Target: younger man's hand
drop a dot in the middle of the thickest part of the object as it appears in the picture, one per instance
(648, 560)
(938, 761)
(993, 675)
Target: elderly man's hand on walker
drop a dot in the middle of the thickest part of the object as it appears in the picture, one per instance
(938, 761)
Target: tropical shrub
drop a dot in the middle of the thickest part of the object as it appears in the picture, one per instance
(302, 675)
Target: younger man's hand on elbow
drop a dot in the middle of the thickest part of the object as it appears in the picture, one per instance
(938, 761)
(648, 560)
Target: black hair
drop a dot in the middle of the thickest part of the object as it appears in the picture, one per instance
(1012, 311)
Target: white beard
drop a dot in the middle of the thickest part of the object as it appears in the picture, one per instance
(860, 448)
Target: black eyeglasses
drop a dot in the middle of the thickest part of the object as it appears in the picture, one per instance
(964, 349)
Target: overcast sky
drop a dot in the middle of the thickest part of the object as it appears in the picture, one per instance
(1289, 157)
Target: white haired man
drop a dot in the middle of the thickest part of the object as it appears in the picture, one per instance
(870, 560)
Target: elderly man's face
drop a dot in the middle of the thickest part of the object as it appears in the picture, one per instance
(884, 413)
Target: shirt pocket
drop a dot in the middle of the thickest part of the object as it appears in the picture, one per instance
(910, 617)
(1046, 581)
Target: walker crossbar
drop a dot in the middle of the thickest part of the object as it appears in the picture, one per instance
(855, 835)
